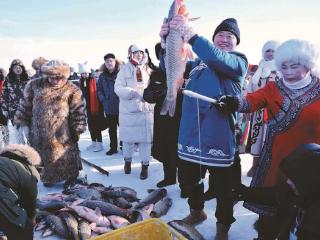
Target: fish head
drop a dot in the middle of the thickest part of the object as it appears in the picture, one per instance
(177, 8)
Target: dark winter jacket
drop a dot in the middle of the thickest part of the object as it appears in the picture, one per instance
(165, 128)
(105, 90)
(206, 136)
(18, 184)
(95, 121)
(302, 209)
(12, 92)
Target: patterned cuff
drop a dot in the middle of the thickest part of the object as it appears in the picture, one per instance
(243, 105)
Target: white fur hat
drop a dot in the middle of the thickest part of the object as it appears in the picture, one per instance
(297, 50)
(83, 67)
(272, 44)
(135, 48)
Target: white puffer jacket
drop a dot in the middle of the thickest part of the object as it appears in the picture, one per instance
(135, 115)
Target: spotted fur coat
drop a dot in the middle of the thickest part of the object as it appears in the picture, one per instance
(56, 116)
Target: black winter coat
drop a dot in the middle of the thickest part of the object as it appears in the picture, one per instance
(18, 190)
(96, 122)
(166, 128)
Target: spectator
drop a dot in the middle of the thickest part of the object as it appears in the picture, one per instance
(135, 115)
(266, 72)
(109, 99)
(95, 116)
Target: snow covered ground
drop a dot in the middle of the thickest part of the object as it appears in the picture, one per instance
(241, 230)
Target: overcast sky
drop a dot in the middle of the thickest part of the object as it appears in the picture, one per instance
(85, 30)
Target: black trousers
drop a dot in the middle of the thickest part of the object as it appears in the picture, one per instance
(96, 136)
(191, 175)
(14, 232)
(113, 122)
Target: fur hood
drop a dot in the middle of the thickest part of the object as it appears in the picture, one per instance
(23, 151)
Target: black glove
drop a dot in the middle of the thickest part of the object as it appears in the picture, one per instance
(227, 104)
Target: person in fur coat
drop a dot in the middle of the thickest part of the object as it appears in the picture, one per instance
(36, 65)
(135, 115)
(55, 112)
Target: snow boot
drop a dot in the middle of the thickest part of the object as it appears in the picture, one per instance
(111, 151)
(222, 231)
(166, 182)
(195, 217)
(144, 172)
(98, 147)
(127, 167)
(91, 146)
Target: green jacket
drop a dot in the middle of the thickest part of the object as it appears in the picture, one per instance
(18, 189)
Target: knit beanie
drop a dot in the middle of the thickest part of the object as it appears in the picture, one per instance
(109, 55)
(229, 25)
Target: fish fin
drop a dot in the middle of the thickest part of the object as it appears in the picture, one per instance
(183, 52)
(98, 211)
(93, 225)
(150, 190)
(193, 18)
(48, 232)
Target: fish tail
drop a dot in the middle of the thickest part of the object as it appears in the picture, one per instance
(168, 106)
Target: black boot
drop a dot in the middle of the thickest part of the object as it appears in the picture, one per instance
(144, 172)
(111, 151)
(166, 182)
(127, 167)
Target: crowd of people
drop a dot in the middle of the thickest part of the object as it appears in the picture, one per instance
(270, 110)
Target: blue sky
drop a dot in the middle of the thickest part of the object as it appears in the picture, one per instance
(80, 30)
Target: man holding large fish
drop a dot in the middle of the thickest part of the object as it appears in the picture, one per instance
(206, 136)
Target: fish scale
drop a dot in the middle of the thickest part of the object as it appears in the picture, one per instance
(174, 63)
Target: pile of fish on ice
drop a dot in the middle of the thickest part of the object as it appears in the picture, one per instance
(86, 210)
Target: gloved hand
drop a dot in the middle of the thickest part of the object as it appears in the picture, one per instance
(164, 32)
(135, 94)
(227, 104)
(181, 24)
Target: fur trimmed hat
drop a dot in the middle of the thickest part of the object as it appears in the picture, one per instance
(83, 67)
(38, 62)
(270, 45)
(300, 51)
(57, 68)
(22, 151)
(229, 25)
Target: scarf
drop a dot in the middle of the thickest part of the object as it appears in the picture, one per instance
(138, 72)
(299, 84)
(264, 70)
(94, 102)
